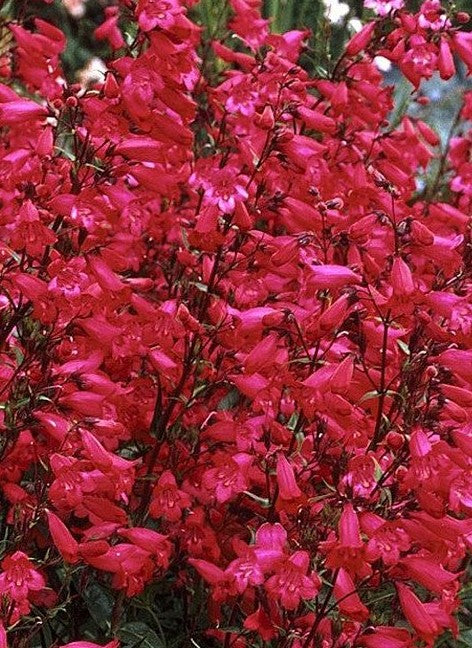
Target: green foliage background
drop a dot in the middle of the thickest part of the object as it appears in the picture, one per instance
(325, 44)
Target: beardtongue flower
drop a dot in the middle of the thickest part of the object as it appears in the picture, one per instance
(63, 540)
(260, 622)
(384, 7)
(402, 280)
(349, 550)
(347, 598)
(332, 276)
(387, 637)
(270, 544)
(416, 613)
(234, 341)
(428, 573)
(19, 111)
(360, 40)
(291, 583)
(288, 488)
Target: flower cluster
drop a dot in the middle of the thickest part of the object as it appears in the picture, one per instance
(235, 332)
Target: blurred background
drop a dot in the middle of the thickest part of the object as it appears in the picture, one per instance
(331, 23)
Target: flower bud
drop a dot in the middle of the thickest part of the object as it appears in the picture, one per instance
(394, 440)
(462, 17)
(360, 40)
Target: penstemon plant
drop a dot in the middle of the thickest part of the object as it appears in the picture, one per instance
(236, 334)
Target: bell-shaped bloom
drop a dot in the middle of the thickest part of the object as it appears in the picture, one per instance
(349, 603)
(62, 538)
(270, 544)
(168, 501)
(402, 279)
(417, 615)
(291, 583)
(54, 425)
(427, 572)
(360, 40)
(333, 277)
(462, 42)
(387, 637)
(349, 551)
(131, 566)
(15, 113)
(341, 378)
(109, 30)
(155, 543)
(229, 477)
(286, 481)
(334, 315)
(221, 582)
(262, 355)
(245, 569)
(259, 621)
(446, 65)
(18, 581)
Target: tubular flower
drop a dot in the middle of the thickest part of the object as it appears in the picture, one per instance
(236, 328)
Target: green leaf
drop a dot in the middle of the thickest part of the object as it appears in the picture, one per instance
(263, 501)
(404, 347)
(7, 9)
(368, 395)
(229, 401)
(99, 604)
(378, 472)
(137, 634)
(201, 286)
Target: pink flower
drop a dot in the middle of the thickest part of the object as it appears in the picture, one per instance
(433, 16)
(157, 13)
(223, 188)
(384, 7)
(348, 600)
(287, 484)
(17, 112)
(416, 613)
(291, 583)
(349, 551)
(229, 477)
(18, 580)
(168, 500)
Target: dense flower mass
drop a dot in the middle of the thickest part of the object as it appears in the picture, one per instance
(236, 336)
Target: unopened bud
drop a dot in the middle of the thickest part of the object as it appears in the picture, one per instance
(394, 440)
(462, 17)
(111, 87)
(71, 102)
(423, 101)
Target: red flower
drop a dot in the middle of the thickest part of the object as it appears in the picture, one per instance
(291, 583)
(260, 622)
(168, 500)
(347, 598)
(229, 477)
(18, 581)
(349, 551)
